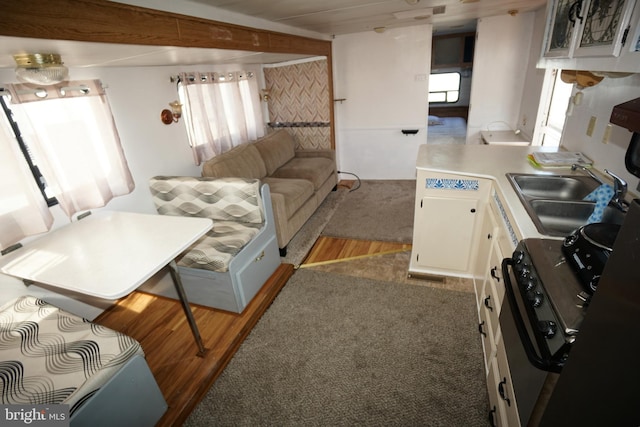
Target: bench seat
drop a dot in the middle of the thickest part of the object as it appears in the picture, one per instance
(49, 356)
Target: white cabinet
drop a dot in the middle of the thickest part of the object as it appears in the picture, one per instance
(592, 35)
(497, 241)
(447, 213)
(581, 28)
(446, 232)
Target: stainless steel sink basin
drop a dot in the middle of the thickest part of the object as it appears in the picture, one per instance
(557, 187)
(555, 202)
(561, 217)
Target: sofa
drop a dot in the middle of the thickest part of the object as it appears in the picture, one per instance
(299, 180)
(226, 267)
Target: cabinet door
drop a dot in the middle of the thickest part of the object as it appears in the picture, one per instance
(446, 232)
(564, 16)
(604, 28)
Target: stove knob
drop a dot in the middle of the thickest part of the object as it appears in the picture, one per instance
(548, 328)
(525, 271)
(529, 284)
(518, 256)
(535, 298)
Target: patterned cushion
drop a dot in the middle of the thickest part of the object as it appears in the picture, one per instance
(49, 356)
(225, 199)
(215, 250)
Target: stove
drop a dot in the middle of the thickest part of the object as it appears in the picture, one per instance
(547, 300)
(540, 320)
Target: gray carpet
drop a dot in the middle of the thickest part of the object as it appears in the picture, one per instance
(380, 210)
(335, 350)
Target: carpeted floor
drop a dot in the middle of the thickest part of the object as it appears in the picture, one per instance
(380, 210)
(337, 350)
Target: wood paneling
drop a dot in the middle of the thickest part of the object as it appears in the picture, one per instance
(109, 22)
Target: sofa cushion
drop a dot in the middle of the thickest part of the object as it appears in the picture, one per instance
(314, 169)
(215, 250)
(243, 161)
(295, 192)
(276, 149)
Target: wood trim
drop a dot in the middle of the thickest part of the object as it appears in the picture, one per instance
(108, 22)
(103, 21)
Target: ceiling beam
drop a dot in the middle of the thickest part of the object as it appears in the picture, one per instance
(108, 22)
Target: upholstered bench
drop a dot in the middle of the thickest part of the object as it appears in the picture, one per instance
(227, 267)
(49, 356)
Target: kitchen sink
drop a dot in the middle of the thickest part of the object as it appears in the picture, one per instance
(561, 217)
(555, 202)
(557, 187)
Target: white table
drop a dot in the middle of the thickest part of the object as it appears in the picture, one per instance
(109, 255)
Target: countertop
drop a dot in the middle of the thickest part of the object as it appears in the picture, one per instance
(491, 162)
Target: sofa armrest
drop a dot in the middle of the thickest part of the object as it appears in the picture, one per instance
(329, 154)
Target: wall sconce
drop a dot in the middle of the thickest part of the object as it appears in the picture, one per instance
(265, 95)
(173, 115)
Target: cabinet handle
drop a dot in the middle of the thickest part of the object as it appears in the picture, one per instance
(575, 10)
(480, 329)
(473, 210)
(492, 413)
(487, 301)
(494, 273)
(259, 257)
(502, 392)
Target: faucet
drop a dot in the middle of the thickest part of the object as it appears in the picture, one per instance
(619, 191)
(591, 174)
(619, 187)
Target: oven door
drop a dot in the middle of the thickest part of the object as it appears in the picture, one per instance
(532, 372)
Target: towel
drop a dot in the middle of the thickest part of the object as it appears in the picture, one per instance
(602, 196)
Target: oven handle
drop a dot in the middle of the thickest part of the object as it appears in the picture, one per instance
(532, 355)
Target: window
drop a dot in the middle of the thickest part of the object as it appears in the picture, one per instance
(68, 139)
(33, 167)
(444, 87)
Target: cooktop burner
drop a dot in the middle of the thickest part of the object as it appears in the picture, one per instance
(559, 281)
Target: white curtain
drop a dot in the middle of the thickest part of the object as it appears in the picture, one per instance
(23, 209)
(220, 110)
(73, 139)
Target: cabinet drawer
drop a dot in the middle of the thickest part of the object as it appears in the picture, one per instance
(491, 306)
(497, 412)
(505, 387)
(495, 278)
(486, 330)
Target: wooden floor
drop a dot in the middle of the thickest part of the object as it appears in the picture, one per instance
(159, 324)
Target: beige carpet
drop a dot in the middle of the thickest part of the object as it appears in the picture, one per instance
(336, 350)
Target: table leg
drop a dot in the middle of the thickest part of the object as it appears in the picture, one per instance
(175, 275)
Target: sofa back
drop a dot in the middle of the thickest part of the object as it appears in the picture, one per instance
(222, 199)
(276, 149)
(241, 161)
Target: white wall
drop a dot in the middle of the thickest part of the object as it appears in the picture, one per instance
(500, 64)
(384, 79)
(598, 101)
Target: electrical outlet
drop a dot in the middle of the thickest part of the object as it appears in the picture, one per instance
(591, 126)
(607, 134)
